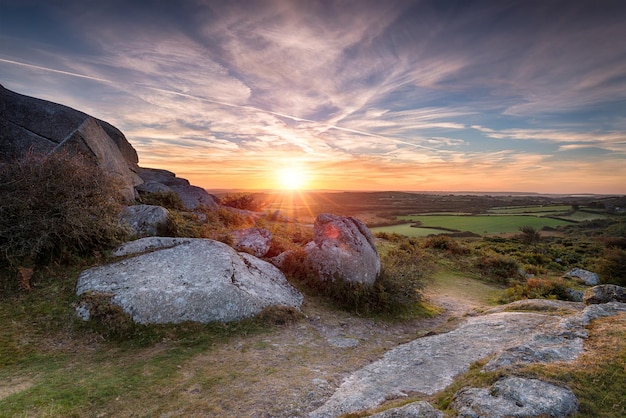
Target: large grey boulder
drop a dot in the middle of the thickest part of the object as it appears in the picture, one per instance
(28, 123)
(145, 220)
(604, 293)
(193, 280)
(90, 140)
(256, 241)
(194, 197)
(343, 248)
(587, 277)
(515, 397)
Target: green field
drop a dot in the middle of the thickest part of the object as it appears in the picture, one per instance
(478, 224)
(407, 230)
(549, 210)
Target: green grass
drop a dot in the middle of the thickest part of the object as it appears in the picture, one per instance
(407, 230)
(478, 224)
(65, 367)
(584, 215)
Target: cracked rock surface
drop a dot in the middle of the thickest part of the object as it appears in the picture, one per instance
(429, 364)
(193, 280)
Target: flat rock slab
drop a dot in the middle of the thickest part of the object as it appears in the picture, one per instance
(194, 280)
(428, 365)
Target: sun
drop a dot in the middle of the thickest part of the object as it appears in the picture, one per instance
(292, 177)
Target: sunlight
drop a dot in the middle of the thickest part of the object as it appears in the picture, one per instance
(292, 177)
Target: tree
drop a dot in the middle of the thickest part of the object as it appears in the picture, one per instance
(529, 235)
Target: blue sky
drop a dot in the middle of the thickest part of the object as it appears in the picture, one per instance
(526, 96)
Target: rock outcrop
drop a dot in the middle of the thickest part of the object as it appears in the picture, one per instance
(193, 280)
(343, 248)
(90, 140)
(192, 197)
(516, 397)
(28, 124)
(429, 364)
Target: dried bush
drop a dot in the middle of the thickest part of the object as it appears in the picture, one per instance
(395, 293)
(241, 201)
(169, 200)
(529, 235)
(445, 243)
(497, 266)
(56, 207)
(612, 266)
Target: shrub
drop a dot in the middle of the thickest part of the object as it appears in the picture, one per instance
(169, 200)
(445, 243)
(241, 201)
(497, 266)
(529, 235)
(535, 288)
(612, 266)
(396, 291)
(56, 207)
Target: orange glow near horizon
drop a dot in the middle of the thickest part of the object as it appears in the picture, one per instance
(258, 172)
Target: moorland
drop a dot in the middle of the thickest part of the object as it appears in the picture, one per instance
(53, 364)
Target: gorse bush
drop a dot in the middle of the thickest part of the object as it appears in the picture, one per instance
(612, 266)
(445, 243)
(56, 207)
(535, 288)
(241, 201)
(497, 266)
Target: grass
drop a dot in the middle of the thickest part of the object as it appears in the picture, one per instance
(486, 224)
(65, 367)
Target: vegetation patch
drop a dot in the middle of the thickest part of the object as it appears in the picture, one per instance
(55, 208)
(535, 288)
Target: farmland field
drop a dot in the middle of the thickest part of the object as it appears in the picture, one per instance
(408, 230)
(548, 210)
(478, 224)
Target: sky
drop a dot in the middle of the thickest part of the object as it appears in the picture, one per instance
(433, 95)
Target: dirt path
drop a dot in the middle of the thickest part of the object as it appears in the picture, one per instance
(296, 368)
